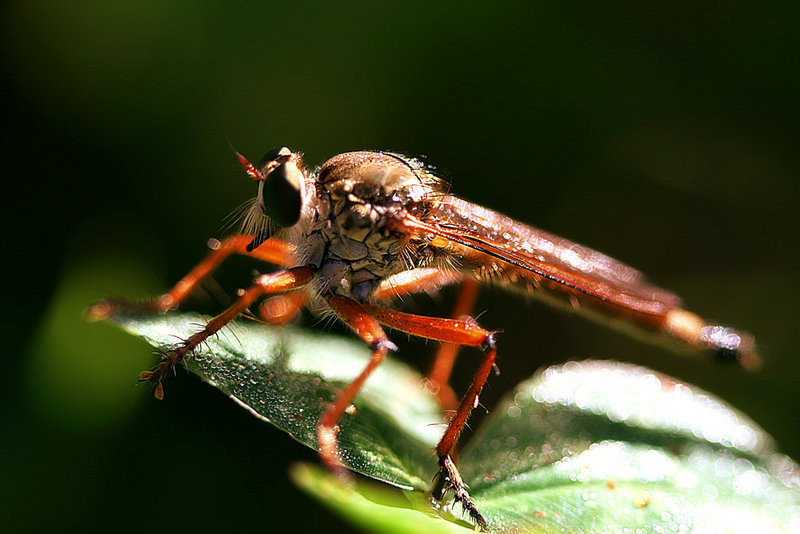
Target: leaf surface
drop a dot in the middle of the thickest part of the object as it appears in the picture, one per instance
(287, 377)
(581, 447)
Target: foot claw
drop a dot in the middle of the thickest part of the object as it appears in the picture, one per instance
(155, 377)
(449, 479)
(100, 311)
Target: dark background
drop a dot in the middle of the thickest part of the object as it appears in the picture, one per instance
(666, 135)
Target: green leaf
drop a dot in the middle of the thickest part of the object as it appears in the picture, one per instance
(373, 507)
(604, 446)
(581, 447)
(287, 377)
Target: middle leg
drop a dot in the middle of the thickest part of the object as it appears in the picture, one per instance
(368, 329)
(431, 280)
(461, 332)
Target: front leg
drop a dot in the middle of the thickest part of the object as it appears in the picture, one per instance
(271, 251)
(264, 285)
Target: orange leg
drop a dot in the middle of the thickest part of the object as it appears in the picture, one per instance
(264, 285)
(271, 251)
(368, 329)
(461, 332)
(439, 376)
(281, 309)
(419, 280)
(427, 280)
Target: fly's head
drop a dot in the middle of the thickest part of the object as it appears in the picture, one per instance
(369, 191)
(287, 203)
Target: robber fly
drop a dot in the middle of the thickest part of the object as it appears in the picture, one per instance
(369, 227)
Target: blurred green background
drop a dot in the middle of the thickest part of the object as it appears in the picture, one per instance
(664, 134)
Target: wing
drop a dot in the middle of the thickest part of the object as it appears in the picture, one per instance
(492, 246)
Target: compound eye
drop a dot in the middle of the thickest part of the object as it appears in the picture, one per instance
(274, 155)
(281, 195)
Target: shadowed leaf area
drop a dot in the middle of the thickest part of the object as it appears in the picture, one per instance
(581, 447)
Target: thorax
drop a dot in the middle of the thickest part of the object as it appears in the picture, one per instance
(355, 245)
